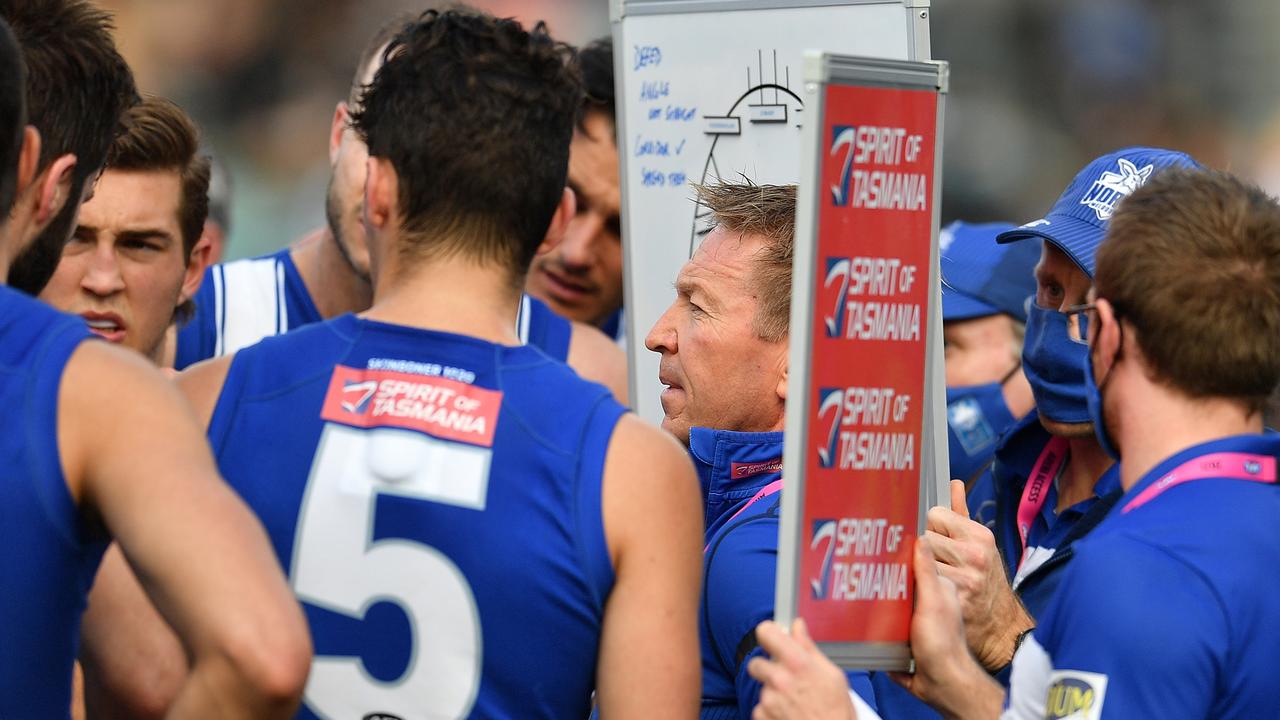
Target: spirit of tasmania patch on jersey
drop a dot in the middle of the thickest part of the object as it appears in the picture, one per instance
(1075, 695)
(438, 406)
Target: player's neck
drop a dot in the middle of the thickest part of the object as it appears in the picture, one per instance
(1166, 422)
(334, 286)
(1086, 465)
(452, 294)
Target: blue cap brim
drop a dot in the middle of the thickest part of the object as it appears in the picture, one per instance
(1078, 239)
(959, 306)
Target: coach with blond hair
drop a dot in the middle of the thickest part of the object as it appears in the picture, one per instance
(724, 364)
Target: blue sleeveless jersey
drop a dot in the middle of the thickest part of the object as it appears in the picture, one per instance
(435, 502)
(49, 560)
(242, 302)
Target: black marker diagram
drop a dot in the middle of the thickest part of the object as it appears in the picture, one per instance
(754, 124)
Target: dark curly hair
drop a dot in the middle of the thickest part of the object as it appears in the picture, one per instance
(13, 115)
(475, 114)
(595, 62)
(78, 87)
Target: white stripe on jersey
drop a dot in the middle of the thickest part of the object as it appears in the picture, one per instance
(252, 304)
(1029, 682)
(522, 319)
(282, 308)
(218, 312)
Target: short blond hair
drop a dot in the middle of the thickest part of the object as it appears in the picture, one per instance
(768, 211)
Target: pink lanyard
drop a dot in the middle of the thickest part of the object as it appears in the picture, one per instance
(1218, 466)
(763, 493)
(1034, 495)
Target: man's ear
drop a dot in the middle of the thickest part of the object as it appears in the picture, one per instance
(28, 159)
(565, 211)
(53, 188)
(201, 258)
(341, 119)
(782, 381)
(1107, 346)
(381, 192)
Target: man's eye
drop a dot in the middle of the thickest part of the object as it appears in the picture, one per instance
(1050, 295)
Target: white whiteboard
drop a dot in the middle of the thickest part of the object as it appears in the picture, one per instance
(712, 88)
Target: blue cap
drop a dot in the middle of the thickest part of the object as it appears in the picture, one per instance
(981, 278)
(1078, 221)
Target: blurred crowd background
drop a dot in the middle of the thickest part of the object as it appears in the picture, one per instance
(1038, 89)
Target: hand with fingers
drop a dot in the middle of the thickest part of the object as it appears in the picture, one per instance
(946, 677)
(966, 554)
(800, 683)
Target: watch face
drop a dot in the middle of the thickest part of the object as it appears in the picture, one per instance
(756, 138)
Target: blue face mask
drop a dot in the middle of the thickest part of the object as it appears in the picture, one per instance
(976, 416)
(1054, 366)
(1093, 394)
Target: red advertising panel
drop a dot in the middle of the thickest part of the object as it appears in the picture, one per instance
(867, 376)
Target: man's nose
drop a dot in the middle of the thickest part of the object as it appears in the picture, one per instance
(577, 249)
(103, 277)
(662, 336)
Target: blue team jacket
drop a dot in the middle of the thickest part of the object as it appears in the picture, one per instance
(740, 564)
(1169, 607)
(1014, 460)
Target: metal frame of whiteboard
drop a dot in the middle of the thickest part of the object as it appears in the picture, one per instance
(916, 14)
(820, 70)
(918, 18)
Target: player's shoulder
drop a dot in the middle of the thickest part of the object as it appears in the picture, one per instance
(260, 272)
(100, 375)
(596, 357)
(549, 396)
(272, 365)
(26, 324)
(648, 474)
(262, 263)
(1099, 599)
(301, 355)
(645, 450)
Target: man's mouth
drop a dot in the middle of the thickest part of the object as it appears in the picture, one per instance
(565, 289)
(667, 380)
(106, 325)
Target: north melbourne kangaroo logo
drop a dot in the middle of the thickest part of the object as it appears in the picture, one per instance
(1108, 189)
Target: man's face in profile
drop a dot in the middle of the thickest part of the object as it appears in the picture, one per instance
(718, 371)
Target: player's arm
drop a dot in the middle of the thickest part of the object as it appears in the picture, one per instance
(134, 665)
(201, 384)
(649, 657)
(597, 358)
(135, 458)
